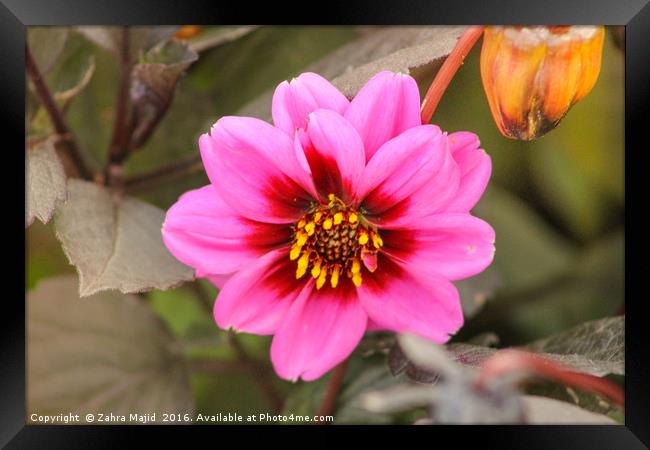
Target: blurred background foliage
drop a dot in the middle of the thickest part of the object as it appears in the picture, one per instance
(557, 203)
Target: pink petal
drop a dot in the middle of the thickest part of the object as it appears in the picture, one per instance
(475, 169)
(454, 245)
(372, 326)
(293, 101)
(257, 298)
(387, 105)
(429, 198)
(410, 301)
(204, 232)
(255, 168)
(218, 280)
(334, 152)
(401, 166)
(321, 329)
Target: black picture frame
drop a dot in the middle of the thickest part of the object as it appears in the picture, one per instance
(15, 15)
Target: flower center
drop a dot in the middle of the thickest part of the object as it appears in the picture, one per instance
(333, 241)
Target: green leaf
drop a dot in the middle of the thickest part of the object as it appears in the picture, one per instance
(46, 182)
(115, 243)
(104, 354)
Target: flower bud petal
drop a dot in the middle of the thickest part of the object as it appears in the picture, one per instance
(533, 75)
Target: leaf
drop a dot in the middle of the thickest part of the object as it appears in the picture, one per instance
(46, 182)
(115, 243)
(419, 363)
(477, 290)
(153, 82)
(542, 410)
(474, 356)
(599, 340)
(107, 353)
(415, 50)
(215, 36)
(46, 45)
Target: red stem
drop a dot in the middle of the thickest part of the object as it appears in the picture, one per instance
(509, 361)
(448, 70)
(119, 142)
(56, 116)
(332, 390)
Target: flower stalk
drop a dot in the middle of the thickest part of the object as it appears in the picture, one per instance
(449, 68)
(119, 146)
(333, 389)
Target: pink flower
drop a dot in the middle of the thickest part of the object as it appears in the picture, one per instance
(343, 217)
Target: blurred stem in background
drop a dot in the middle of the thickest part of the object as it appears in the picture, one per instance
(122, 127)
(261, 372)
(65, 135)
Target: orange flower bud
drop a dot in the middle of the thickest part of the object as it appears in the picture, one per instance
(533, 75)
(187, 31)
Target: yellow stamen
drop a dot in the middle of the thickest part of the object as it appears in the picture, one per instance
(310, 228)
(315, 271)
(363, 238)
(334, 280)
(352, 218)
(328, 223)
(303, 262)
(321, 278)
(317, 216)
(356, 279)
(294, 253)
(356, 266)
(338, 218)
(301, 239)
(376, 241)
(301, 223)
